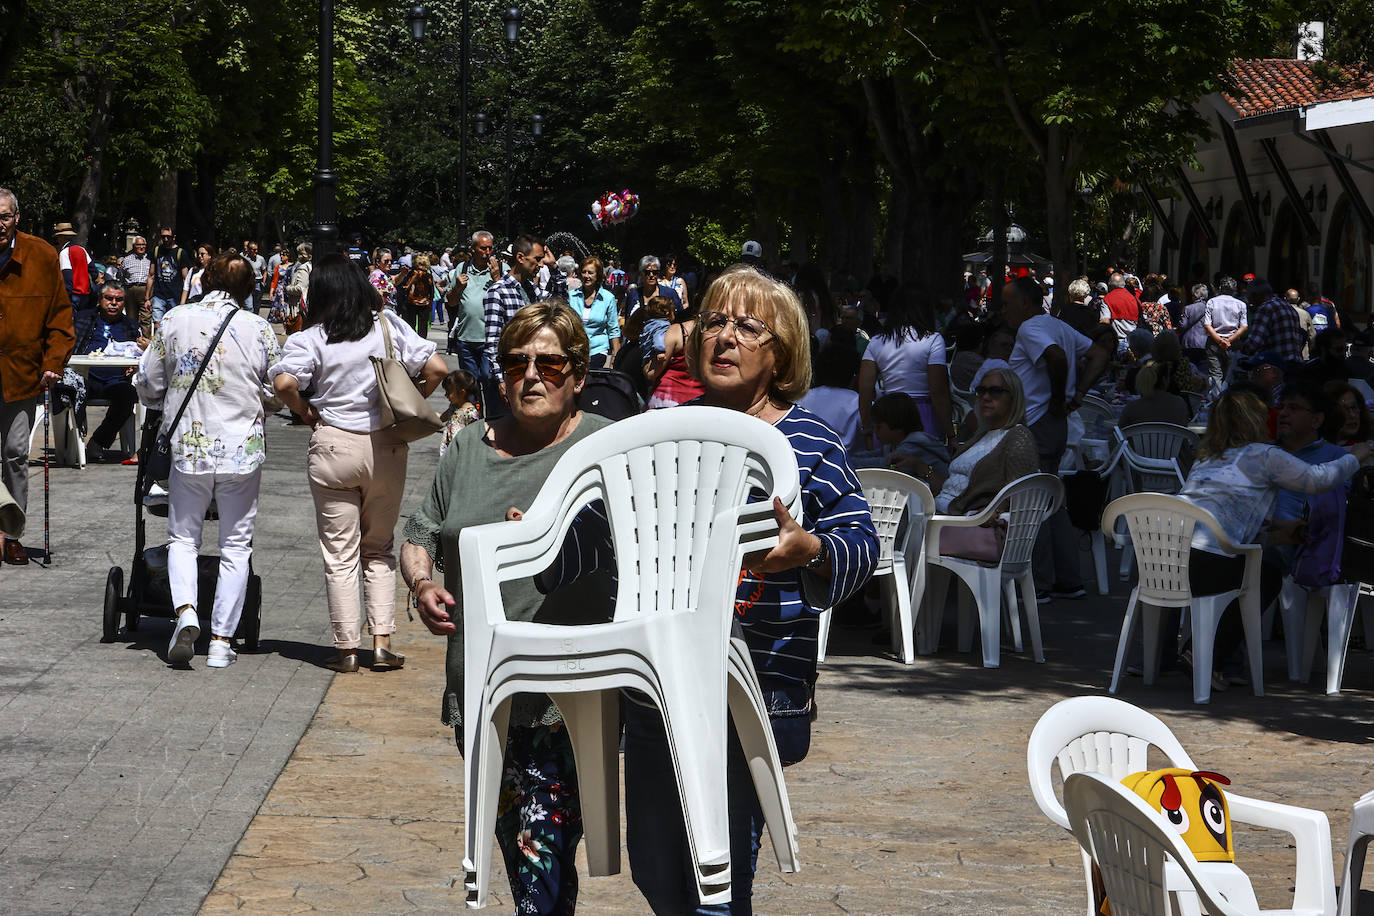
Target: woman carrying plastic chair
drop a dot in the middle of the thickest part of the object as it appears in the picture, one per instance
(489, 468)
(1237, 478)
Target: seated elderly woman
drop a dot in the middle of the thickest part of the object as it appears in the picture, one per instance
(750, 350)
(488, 468)
(1003, 449)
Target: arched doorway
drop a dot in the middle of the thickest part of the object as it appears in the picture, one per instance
(1237, 244)
(1192, 246)
(1345, 276)
(1287, 251)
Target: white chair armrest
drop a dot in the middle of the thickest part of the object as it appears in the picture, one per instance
(1314, 884)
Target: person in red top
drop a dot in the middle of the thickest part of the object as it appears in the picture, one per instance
(1122, 307)
(76, 266)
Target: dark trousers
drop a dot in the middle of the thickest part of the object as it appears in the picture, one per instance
(122, 397)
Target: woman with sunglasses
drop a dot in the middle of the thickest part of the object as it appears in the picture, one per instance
(489, 467)
(1001, 451)
(191, 287)
(357, 469)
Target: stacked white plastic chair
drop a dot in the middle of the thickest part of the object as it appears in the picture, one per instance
(1151, 459)
(1361, 832)
(1134, 847)
(891, 497)
(675, 485)
(1026, 503)
(1112, 738)
(1161, 529)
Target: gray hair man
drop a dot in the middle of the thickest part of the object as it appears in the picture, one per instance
(464, 291)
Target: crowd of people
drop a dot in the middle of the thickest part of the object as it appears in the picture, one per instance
(964, 396)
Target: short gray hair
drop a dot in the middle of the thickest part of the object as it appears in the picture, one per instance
(1116, 280)
(112, 284)
(1079, 290)
(645, 262)
(14, 198)
(305, 250)
(482, 234)
(1200, 291)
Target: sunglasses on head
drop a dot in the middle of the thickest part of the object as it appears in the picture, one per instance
(552, 367)
(995, 390)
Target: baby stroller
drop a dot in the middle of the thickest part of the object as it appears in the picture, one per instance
(149, 593)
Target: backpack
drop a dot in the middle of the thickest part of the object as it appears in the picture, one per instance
(1318, 561)
(611, 394)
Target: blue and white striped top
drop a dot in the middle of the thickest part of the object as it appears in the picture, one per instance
(778, 613)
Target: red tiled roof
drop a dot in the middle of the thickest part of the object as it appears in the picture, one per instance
(1268, 86)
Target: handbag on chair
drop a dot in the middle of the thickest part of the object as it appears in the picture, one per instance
(405, 412)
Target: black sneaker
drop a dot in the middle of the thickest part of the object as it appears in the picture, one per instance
(1061, 592)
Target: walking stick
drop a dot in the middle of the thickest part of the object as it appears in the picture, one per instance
(47, 496)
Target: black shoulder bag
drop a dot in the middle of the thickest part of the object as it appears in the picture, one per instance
(160, 455)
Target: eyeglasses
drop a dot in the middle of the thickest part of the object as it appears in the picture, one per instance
(484, 247)
(8, 217)
(650, 271)
(749, 331)
(996, 391)
(552, 367)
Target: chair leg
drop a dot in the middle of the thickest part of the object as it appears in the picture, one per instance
(966, 598)
(1127, 560)
(902, 624)
(1202, 657)
(593, 722)
(1124, 642)
(1032, 617)
(1354, 872)
(485, 765)
(917, 598)
(933, 612)
(1293, 607)
(1099, 547)
(1013, 615)
(1254, 647)
(989, 599)
(1340, 619)
(823, 634)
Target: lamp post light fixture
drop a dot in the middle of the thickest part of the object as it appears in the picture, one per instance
(537, 128)
(511, 19)
(416, 20)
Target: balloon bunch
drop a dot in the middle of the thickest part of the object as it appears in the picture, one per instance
(612, 208)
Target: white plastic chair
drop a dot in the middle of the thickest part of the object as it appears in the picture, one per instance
(675, 486)
(1161, 529)
(1151, 456)
(1097, 415)
(1302, 611)
(1026, 502)
(891, 497)
(1134, 846)
(1113, 738)
(1361, 831)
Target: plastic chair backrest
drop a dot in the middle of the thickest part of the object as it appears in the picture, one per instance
(663, 477)
(1094, 734)
(1027, 501)
(890, 495)
(1161, 528)
(1130, 841)
(1097, 415)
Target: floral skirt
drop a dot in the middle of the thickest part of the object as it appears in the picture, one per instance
(538, 821)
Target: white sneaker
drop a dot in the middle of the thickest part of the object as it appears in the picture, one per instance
(183, 644)
(221, 654)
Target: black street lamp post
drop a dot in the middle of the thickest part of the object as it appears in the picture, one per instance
(326, 229)
(418, 18)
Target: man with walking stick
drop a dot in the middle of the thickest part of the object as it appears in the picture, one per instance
(36, 340)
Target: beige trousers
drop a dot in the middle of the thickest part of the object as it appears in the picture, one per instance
(357, 480)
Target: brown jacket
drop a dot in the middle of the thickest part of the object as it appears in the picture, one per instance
(1013, 458)
(35, 318)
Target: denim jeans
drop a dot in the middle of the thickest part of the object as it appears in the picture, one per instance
(160, 307)
(656, 837)
(470, 358)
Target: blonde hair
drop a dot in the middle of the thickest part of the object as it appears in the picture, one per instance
(776, 305)
(555, 315)
(1012, 382)
(420, 262)
(1237, 418)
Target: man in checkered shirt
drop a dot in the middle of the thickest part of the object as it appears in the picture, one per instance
(1275, 327)
(504, 298)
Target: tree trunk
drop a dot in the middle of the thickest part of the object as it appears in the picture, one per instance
(93, 178)
(997, 270)
(898, 207)
(164, 204)
(1059, 201)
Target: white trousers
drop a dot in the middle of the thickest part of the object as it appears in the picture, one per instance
(188, 496)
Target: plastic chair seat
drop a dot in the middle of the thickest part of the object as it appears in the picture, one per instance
(676, 487)
(1028, 501)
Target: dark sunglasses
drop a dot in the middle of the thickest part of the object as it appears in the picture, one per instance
(995, 390)
(552, 367)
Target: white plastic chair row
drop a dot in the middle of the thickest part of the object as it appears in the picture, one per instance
(1112, 738)
(893, 496)
(1026, 503)
(675, 486)
(1161, 529)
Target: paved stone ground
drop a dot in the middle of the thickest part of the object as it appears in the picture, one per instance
(128, 785)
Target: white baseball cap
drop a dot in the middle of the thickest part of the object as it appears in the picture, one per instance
(751, 249)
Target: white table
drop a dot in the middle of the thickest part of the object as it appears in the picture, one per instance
(68, 446)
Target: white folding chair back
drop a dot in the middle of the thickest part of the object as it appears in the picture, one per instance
(1161, 530)
(1026, 503)
(1097, 416)
(1112, 738)
(1361, 831)
(675, 485)
(1132, 844)
(1156, 453)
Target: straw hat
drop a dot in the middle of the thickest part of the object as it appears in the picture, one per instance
(63, 229)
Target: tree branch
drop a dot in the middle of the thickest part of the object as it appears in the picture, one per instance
(999, 61)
